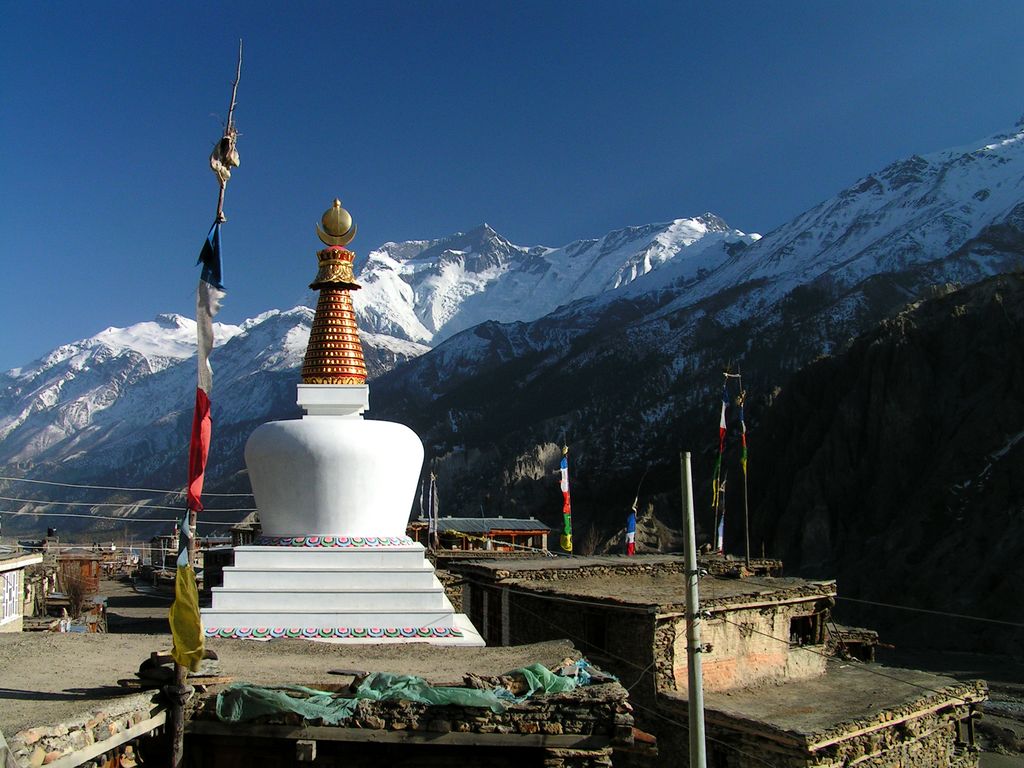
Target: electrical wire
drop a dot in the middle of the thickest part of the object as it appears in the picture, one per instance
(857, 662)
(908, 608)
(686, 727)
(107, 517)
(112, 487)
(933, 612)
(851, 662)
(43, 503)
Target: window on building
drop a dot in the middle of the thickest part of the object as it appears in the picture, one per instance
(11, 599)
(964, 734)
(806, 630)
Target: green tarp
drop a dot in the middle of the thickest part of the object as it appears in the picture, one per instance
(241, 702)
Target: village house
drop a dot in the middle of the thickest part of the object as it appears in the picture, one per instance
(216, 558)
(14, 597)
(500, 534)
(164, 550)
(772, 684)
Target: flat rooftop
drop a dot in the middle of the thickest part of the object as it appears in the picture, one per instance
(654, 582)
(48, 678)
(849, 696)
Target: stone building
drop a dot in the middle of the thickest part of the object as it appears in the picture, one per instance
(773, 684)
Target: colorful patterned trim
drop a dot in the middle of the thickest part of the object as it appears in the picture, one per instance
(333, 541)
(341, 633)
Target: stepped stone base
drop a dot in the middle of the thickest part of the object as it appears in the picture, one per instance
(336, 589)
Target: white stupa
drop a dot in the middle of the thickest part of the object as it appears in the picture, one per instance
(334, 493)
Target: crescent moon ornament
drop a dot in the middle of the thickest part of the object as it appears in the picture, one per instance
(338, 227)
(343, 239)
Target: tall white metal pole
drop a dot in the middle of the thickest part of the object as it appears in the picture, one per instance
(695, 694)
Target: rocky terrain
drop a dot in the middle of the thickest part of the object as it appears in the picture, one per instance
(896, 468)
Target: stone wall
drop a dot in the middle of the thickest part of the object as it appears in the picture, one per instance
(931, 732)
(748, 647)
(103, 731)
(641, 566)
(410, 728)
(932, 739)
(559, 572)
(452, 584)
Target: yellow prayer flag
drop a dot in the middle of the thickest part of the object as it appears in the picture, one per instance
(186, 624)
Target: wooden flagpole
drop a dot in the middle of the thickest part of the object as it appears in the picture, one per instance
(224, 157)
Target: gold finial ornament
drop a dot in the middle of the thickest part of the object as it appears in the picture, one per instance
(338, 228)
(334, 354)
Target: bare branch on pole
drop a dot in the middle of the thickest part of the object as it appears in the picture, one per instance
(225, 156)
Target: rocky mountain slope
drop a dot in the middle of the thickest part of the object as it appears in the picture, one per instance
(119, 403)
(427, 291)
(116, 409)
(897, 468)
(630, 376)
(614, 344)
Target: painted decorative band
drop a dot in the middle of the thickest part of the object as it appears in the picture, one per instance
(333, 541)
(340, 633)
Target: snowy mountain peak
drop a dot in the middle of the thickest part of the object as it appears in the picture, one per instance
(173, 320)
(115, 406)
(427, 291)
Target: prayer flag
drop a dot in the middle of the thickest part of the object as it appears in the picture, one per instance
(720, 533)
(743, 433)
(566, 507)
(631, 531)
(186, 623)
(721, 448)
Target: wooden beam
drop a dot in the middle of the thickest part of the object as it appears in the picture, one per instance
(889, 723)
(98, 748)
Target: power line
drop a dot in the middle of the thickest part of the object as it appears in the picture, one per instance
(112, 487)
(44, 502)
(910, 608)
(853, 662)
(933, 612)
(856, 663)
(686, 727)
(107, 517)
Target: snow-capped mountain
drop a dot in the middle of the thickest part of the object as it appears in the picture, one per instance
(414, 292)
(909, 214)
(126, 392)
(619, 337)
(118, 405)
(428, 291)
(631, 371)
(44, 403)
(928, 220)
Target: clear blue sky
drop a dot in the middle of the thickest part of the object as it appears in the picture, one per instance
(550, 121)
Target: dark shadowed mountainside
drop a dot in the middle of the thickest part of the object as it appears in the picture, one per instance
(898, 468)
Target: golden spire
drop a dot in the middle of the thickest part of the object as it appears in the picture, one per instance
(334, 354)
(338, 228)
